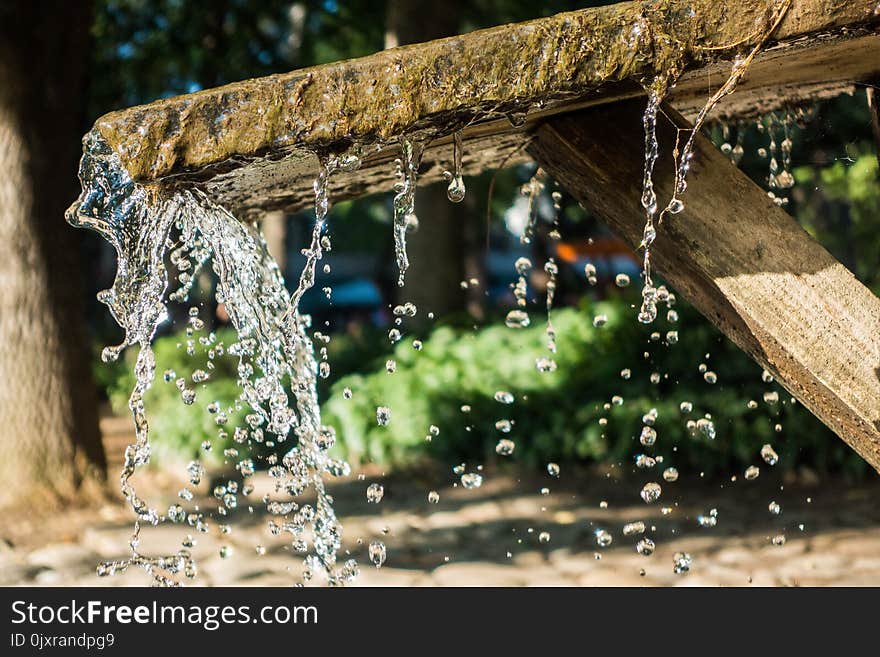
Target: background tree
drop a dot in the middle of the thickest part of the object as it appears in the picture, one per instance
(50, 445)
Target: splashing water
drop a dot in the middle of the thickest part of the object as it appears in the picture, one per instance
(273, 348)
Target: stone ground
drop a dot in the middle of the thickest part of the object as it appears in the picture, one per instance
(490, 536)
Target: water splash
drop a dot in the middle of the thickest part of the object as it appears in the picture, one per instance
(274, 351)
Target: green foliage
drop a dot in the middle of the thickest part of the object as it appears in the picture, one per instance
(840, 209)
(556, 415)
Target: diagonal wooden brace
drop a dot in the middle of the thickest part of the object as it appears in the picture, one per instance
(739, 258)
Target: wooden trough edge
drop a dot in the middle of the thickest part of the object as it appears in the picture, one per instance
(252, 143)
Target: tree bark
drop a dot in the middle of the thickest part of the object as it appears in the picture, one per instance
(50, 445)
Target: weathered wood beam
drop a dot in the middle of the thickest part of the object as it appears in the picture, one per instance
(252, 144)
(740, 259)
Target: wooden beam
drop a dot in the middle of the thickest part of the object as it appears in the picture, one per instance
(739, 258)
(251, 145)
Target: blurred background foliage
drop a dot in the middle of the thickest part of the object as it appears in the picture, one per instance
(150, 49)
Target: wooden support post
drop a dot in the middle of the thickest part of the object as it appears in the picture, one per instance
(740, 259)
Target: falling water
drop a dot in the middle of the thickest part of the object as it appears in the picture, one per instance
(273, 348)
(684, 154)
(405, 200)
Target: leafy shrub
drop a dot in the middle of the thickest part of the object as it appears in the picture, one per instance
(555, 416)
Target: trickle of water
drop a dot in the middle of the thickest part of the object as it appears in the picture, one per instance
(552, 270)
(532, 190)
(456, 189)
(405, 200)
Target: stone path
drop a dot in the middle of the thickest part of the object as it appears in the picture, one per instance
(491, 535)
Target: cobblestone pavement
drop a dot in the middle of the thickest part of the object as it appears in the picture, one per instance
(492, 535)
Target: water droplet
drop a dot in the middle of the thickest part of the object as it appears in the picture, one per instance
(651, 492)
(383, 416)
(503, 397)
(645, 547)
(517, 319)
(433, 497)
(648, 436)
(377, 553)
(544, 537)
(670, 475)
(621, 280)
(769, 455)
(774, 508)
(375, 492)
(681, 563)
(553, 469)
(503, 426)
(471, 480)
(708, 520)
(633, 528)
(603, 538)
(505, 447)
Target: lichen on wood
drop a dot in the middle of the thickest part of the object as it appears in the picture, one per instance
(522, 70)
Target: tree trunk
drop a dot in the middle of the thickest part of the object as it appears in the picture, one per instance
(50, 445)
(437, 250)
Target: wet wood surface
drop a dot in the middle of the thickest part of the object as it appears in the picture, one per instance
(252, 144)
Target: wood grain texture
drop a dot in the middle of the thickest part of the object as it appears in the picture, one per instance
(740, 259)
